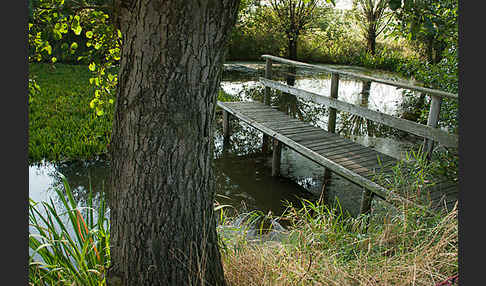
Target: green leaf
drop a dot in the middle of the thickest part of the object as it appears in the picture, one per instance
(92, 103)
(75, 25)
(92, 66)
(48, 48)
(57, 35)
(89, 34)
(77, 30)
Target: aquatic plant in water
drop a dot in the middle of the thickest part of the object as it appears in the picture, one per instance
(68, 247)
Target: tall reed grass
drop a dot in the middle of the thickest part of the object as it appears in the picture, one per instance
(69, 246)
(325, 245)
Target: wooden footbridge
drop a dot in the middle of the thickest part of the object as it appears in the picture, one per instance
(353, 161)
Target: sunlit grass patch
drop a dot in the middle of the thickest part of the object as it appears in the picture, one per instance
(62, 126)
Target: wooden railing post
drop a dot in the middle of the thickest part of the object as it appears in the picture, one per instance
(331, 127)
(365, 208)
(266, 101)
(268, 75)
(331, 123)
(434, 112)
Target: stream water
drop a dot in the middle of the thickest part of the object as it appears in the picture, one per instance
(242, 173)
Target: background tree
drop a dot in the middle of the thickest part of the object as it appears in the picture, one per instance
(255, 33)
(372, 18)
(432, 23)
(294, 17)
(163, 229)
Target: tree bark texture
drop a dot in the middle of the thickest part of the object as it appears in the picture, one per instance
(163, 231)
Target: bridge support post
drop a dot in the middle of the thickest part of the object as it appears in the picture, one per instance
(331, 127)
(326, 181)
(277, 153)
(226, 126)
(366, 199)
(434, 111)
(266, 101)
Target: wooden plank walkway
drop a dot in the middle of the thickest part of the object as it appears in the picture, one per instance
(355, 162)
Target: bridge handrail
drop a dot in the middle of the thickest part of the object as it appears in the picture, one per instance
(428, 91)
(422, 130)
(430, 132)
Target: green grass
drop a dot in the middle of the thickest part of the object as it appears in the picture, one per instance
(325, 245)
(62, 126)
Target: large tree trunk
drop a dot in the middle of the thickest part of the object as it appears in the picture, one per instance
(163, 230)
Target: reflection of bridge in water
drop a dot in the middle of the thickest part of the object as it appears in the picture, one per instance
(357, 163)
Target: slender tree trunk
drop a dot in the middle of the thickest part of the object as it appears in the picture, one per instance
(293, 47)
(163, 230)
(371, 41)
(430, 50)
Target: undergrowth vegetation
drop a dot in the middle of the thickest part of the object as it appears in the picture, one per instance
(310, 244)
(68, 245)
(324, 246)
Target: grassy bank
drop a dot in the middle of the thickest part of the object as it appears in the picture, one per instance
(61, 124)
(325, 247)
(322, 246)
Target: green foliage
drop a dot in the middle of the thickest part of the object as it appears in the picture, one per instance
(254, 34)
(71, 247)
(372, 17)
(432, 23)
(443, 76)
(61, 124)
(226, 97)
(56, 32)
